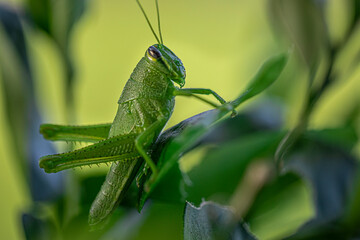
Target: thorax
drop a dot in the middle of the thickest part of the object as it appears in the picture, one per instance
(147, 82)
(146, 97)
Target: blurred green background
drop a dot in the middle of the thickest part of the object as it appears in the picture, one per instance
(221, 43)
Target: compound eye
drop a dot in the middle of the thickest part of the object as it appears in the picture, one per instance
(153, 53)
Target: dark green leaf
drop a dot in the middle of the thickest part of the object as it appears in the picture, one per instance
(355, 7)
(15, 78)
(352, 215)
(345, 137)
(322, 231)
(40, 12)
(35, 228)
(331, 173)
(161, 221)
(37, 224)
(213, 221)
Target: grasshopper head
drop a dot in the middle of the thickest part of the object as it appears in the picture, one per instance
(166, 61)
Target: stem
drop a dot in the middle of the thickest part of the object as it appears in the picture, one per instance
(315, 94)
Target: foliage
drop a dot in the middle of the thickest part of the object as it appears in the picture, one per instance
(250, 162)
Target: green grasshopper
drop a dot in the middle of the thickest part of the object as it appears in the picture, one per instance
(145, 105)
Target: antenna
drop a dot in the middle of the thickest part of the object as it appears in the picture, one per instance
(158, 17)
(147, 19)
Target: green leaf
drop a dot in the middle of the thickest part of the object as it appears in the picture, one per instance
(271, 194)
(267, 75)
(274, 206)
(222, 168)
(213, 221)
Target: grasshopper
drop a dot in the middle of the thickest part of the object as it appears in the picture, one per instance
(145, 105)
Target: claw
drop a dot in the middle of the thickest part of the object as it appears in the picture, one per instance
(233, 113)
(229, 107)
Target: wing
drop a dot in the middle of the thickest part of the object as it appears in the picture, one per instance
(135, 116)
(88, 133)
